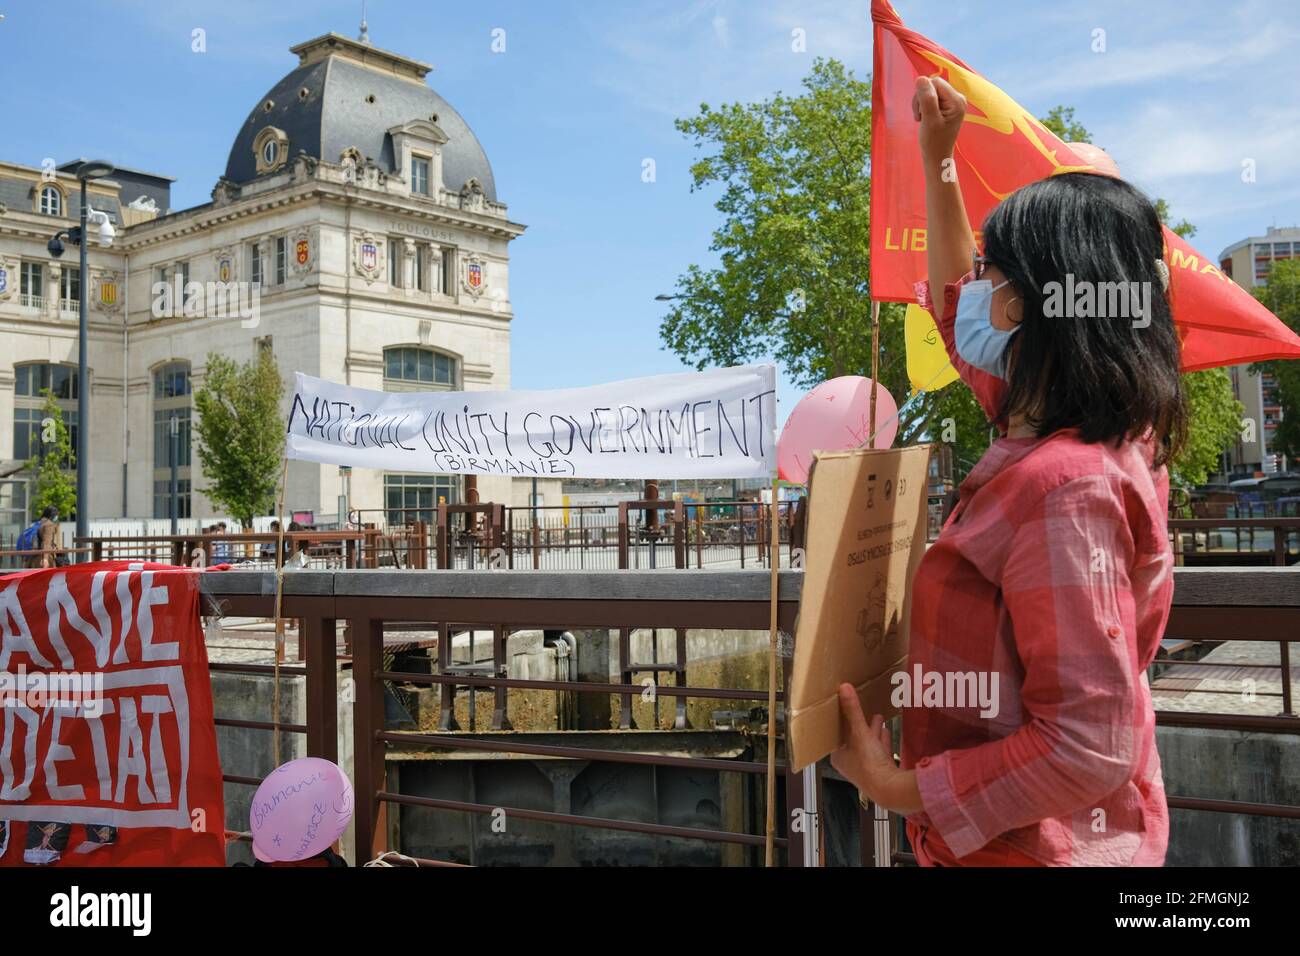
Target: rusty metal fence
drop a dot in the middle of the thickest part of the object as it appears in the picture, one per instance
(642, 534)
(500, 601)
(1218, 605)
(653, 534)
(1236, 541)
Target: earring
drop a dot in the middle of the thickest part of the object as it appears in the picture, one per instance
(1006, 312)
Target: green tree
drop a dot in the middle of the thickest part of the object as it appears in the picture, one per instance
(241, 433)
(1184, 228)
(1281, 296)
(1060, 120)
(794, 251)
(1213, 412)
(1214, 421)
(54, 482)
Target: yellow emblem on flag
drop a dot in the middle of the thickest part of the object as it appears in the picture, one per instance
(928, 368)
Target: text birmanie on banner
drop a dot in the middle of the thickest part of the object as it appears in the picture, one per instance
(719, 423)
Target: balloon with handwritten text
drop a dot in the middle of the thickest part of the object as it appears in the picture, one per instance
(834, 416)
(300, 810)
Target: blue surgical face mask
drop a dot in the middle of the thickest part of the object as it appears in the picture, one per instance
(978, 342)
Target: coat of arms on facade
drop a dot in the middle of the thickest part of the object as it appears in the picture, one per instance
(6, 278)
(303, 244)
(108, 292)
(366, 256)
(475, 276)
(225, 265)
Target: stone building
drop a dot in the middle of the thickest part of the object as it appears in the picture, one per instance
(356, 233)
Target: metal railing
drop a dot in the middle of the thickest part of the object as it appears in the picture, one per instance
(502, 601)
(324, 550)
(685, 534)
(1210, 604)
(16, 559)
(487, 535)
(1267, 540)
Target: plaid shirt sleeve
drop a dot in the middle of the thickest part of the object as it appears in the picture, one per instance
(988, 389)
(1067, 590)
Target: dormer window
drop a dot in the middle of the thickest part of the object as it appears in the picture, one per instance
(417, 152)
(270, 149)
(51, 203)
(420, 175)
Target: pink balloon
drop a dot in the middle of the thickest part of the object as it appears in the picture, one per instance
(299, 810)
(834, 416)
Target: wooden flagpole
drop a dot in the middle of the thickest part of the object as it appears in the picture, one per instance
(279, 621)
(774, 559)
(875, 369)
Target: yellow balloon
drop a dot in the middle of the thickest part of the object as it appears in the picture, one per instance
(928, 368)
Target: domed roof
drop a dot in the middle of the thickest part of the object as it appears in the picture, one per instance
(348, 94)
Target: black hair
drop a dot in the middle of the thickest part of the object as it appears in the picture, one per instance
(1112, 377)
(49, 512)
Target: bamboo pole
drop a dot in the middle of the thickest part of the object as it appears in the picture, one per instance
(875, 369)
(774, 555)
(279, 621)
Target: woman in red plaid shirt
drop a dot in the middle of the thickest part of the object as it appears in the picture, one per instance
(1054, 573)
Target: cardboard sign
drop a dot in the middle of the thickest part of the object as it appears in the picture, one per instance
(866, 535)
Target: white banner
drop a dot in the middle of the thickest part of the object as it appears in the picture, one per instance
(715, 424)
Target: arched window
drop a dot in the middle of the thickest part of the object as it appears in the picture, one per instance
(51, 201)
(31, 379)
(412, 369)
(409, 498)
(171, 403)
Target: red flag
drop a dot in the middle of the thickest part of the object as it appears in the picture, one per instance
(108, 750)
(1002, 147)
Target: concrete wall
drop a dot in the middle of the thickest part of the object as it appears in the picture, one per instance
(1231, 765)
(666, 795)
(250, 753)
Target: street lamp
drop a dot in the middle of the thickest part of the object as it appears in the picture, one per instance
(174, 431)
(88, 170)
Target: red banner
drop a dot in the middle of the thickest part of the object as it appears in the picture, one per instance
(108, 751)
(1002, 147)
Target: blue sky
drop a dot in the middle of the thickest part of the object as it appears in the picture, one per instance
(1185, 91)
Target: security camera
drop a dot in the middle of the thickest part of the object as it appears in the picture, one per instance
(55, 247)
(106, 230)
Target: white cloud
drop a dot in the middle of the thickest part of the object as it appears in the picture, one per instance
(1129, 63)
(720, 30)
(1176, 138)
(668, 58)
